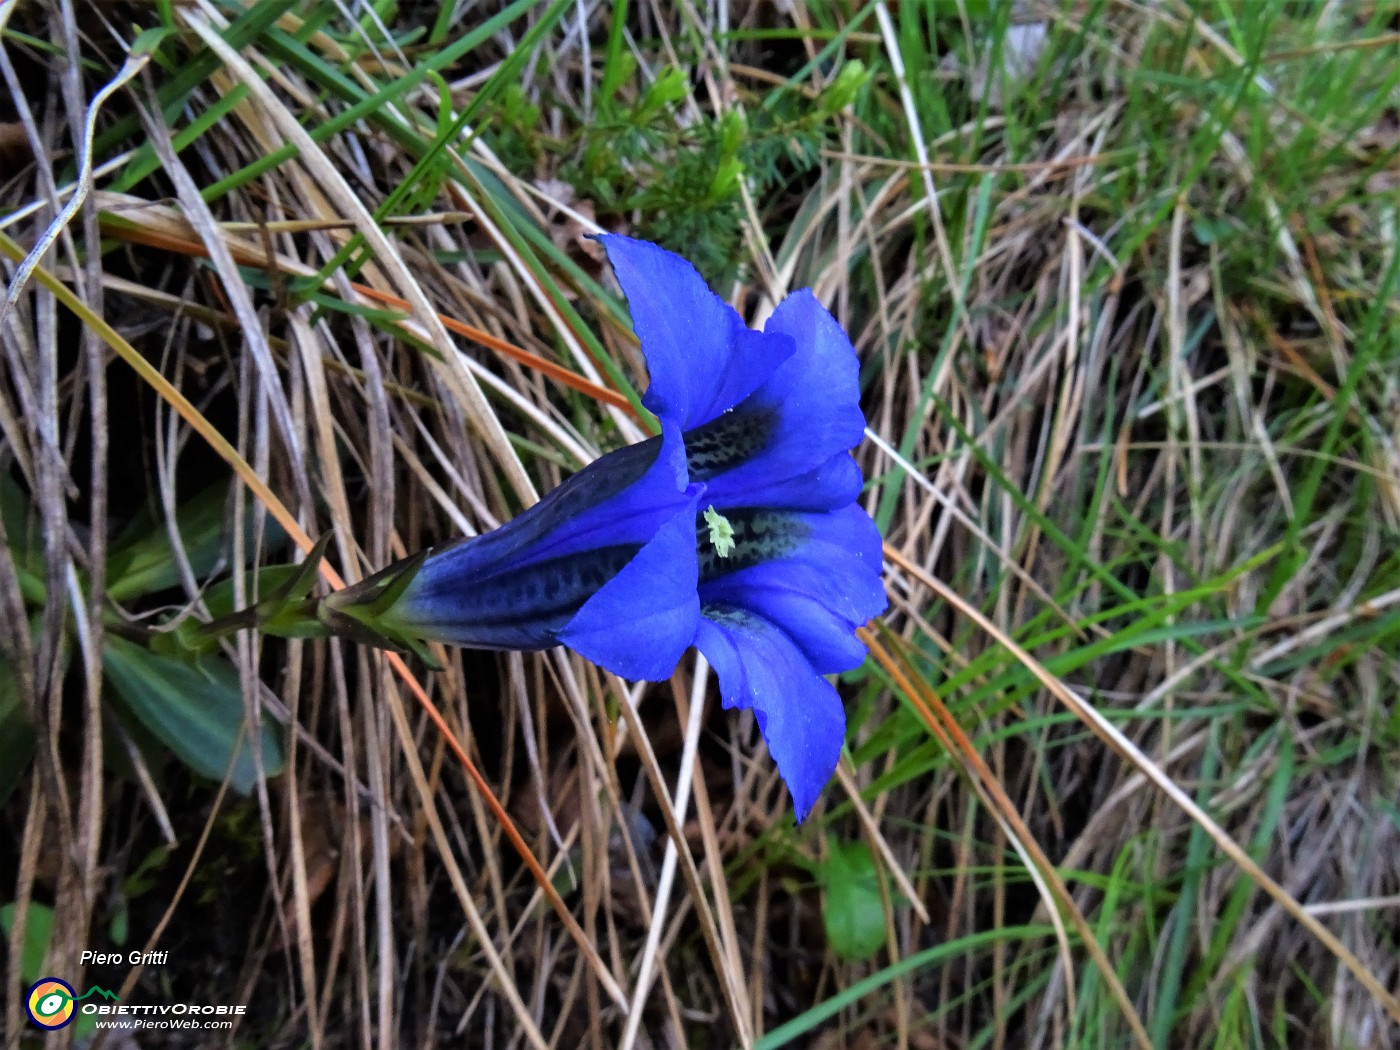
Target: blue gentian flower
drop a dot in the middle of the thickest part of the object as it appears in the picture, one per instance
(769, 420)
(614, 545)
(736, 530)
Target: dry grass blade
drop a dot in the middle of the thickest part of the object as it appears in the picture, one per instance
(680, 805)
(677, 848)
(132, 230)
(1054, 892)
(1114, 738)
(919, 140)
(507, 985)
(82, 187)
(333, 184)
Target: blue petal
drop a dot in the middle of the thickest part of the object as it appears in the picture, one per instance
(701, 357)
(628, 513)
(833, 557)
(834, 484)
(807, 411)
(819, 587)
(798, 711)
(641, 622)
(524, 609)
(826, 639)
(521, 585)
(619, 498)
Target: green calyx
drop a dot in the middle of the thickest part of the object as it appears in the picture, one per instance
(361, 613)
(364, 612)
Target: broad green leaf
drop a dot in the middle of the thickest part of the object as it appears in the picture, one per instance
(197, 712)
(21, 530)
(16, 735)
(855, 918)
(38, 931)
(142, 561)
(38, 928)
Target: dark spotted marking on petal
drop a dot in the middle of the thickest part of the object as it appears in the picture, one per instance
(546, 594)
(496, 551)
(759, 535)
(728, 441)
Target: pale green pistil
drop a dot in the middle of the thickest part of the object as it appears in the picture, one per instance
(721, 532)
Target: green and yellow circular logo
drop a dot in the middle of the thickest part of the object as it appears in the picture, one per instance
(50, 1003)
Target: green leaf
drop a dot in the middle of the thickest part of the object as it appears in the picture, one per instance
(197, 712)
(149, 40)
(671, 86)
(855, 917)
(143, 562)
(726, 178)
(144, 877)
(120, 927)
(733, 130)
(38, 928)
(842, 91)
(16, 735)
(22, 531)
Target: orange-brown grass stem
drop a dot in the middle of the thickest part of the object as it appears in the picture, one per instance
(136, 234)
